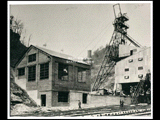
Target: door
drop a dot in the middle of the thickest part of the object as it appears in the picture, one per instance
(43, 100)
(84, 98)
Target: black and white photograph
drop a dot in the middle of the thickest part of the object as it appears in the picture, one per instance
(80, 59)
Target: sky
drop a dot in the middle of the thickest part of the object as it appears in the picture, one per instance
(75, 28)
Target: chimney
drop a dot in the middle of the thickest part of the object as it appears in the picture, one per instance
(89, 53)
(89, 57)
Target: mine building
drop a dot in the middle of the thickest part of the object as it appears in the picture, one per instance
(51, 78)
(130, 70)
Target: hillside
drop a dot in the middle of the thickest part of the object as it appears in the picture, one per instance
(16, 48)
(17, 94)
(97, 57)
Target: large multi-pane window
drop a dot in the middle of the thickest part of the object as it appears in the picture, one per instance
(32, 58)
(81, 75)
(44, 71)
(63, 96)
(21, 71)
(32, 73)
(62, 71)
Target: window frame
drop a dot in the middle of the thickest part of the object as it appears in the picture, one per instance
(33, 72)
(32, 57)
(126, 77)
(130, 60)
(61, 72)
(140, 59)
(62, 98)
(126, 69)
(82, 72)
(22, 71)
(140, 68)
(140, 76)
(44, 71)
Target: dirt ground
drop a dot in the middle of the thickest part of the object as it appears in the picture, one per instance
(98, 103)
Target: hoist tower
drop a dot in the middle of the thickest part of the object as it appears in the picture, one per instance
(111, 56)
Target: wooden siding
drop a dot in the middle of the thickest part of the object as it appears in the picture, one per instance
(72, 83)
(52, 85)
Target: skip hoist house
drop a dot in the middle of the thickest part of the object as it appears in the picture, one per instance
(51, 78)
(132, 69)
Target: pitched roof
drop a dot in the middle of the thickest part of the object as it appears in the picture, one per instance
(60, 55)
(53, 53)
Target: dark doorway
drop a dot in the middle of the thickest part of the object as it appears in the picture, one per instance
(84, 98)
(126, 87)
(43, 100)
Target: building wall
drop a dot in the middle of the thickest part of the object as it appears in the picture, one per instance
(124, 50)
(48, 97)
(52, 85)
(72, 83)
(100, 100)
(37, 84)
(33, 87)
(133, 72)
(34, 95)
(75, 96)
(55, 100)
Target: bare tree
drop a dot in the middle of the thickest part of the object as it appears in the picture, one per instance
(18, 26)
(29, 39)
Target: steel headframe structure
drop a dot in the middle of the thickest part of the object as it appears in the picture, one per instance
(111, 56)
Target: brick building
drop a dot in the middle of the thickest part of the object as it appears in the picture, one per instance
(51, 78)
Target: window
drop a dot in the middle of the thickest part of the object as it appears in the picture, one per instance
(32, 58)
(140, 76)
(126, 77)
(62, 71)
(32, 73)
(134, 50)
(126, 69)
(140, 68)
(81, 75)
(131, 60)
(44, 71)
(63, 96)
(21, 71)
(140, 59)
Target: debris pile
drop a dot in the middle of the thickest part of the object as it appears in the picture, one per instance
(20, 109)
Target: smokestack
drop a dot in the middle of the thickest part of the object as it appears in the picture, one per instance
(89, 53)
(89, 57)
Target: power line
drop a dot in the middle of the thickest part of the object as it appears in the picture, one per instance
(93, 40)
(131, 12)
(100, 39)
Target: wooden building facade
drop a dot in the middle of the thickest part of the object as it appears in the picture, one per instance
(51, 78)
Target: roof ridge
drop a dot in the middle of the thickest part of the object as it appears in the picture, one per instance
(50, 50)
(58, 54)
